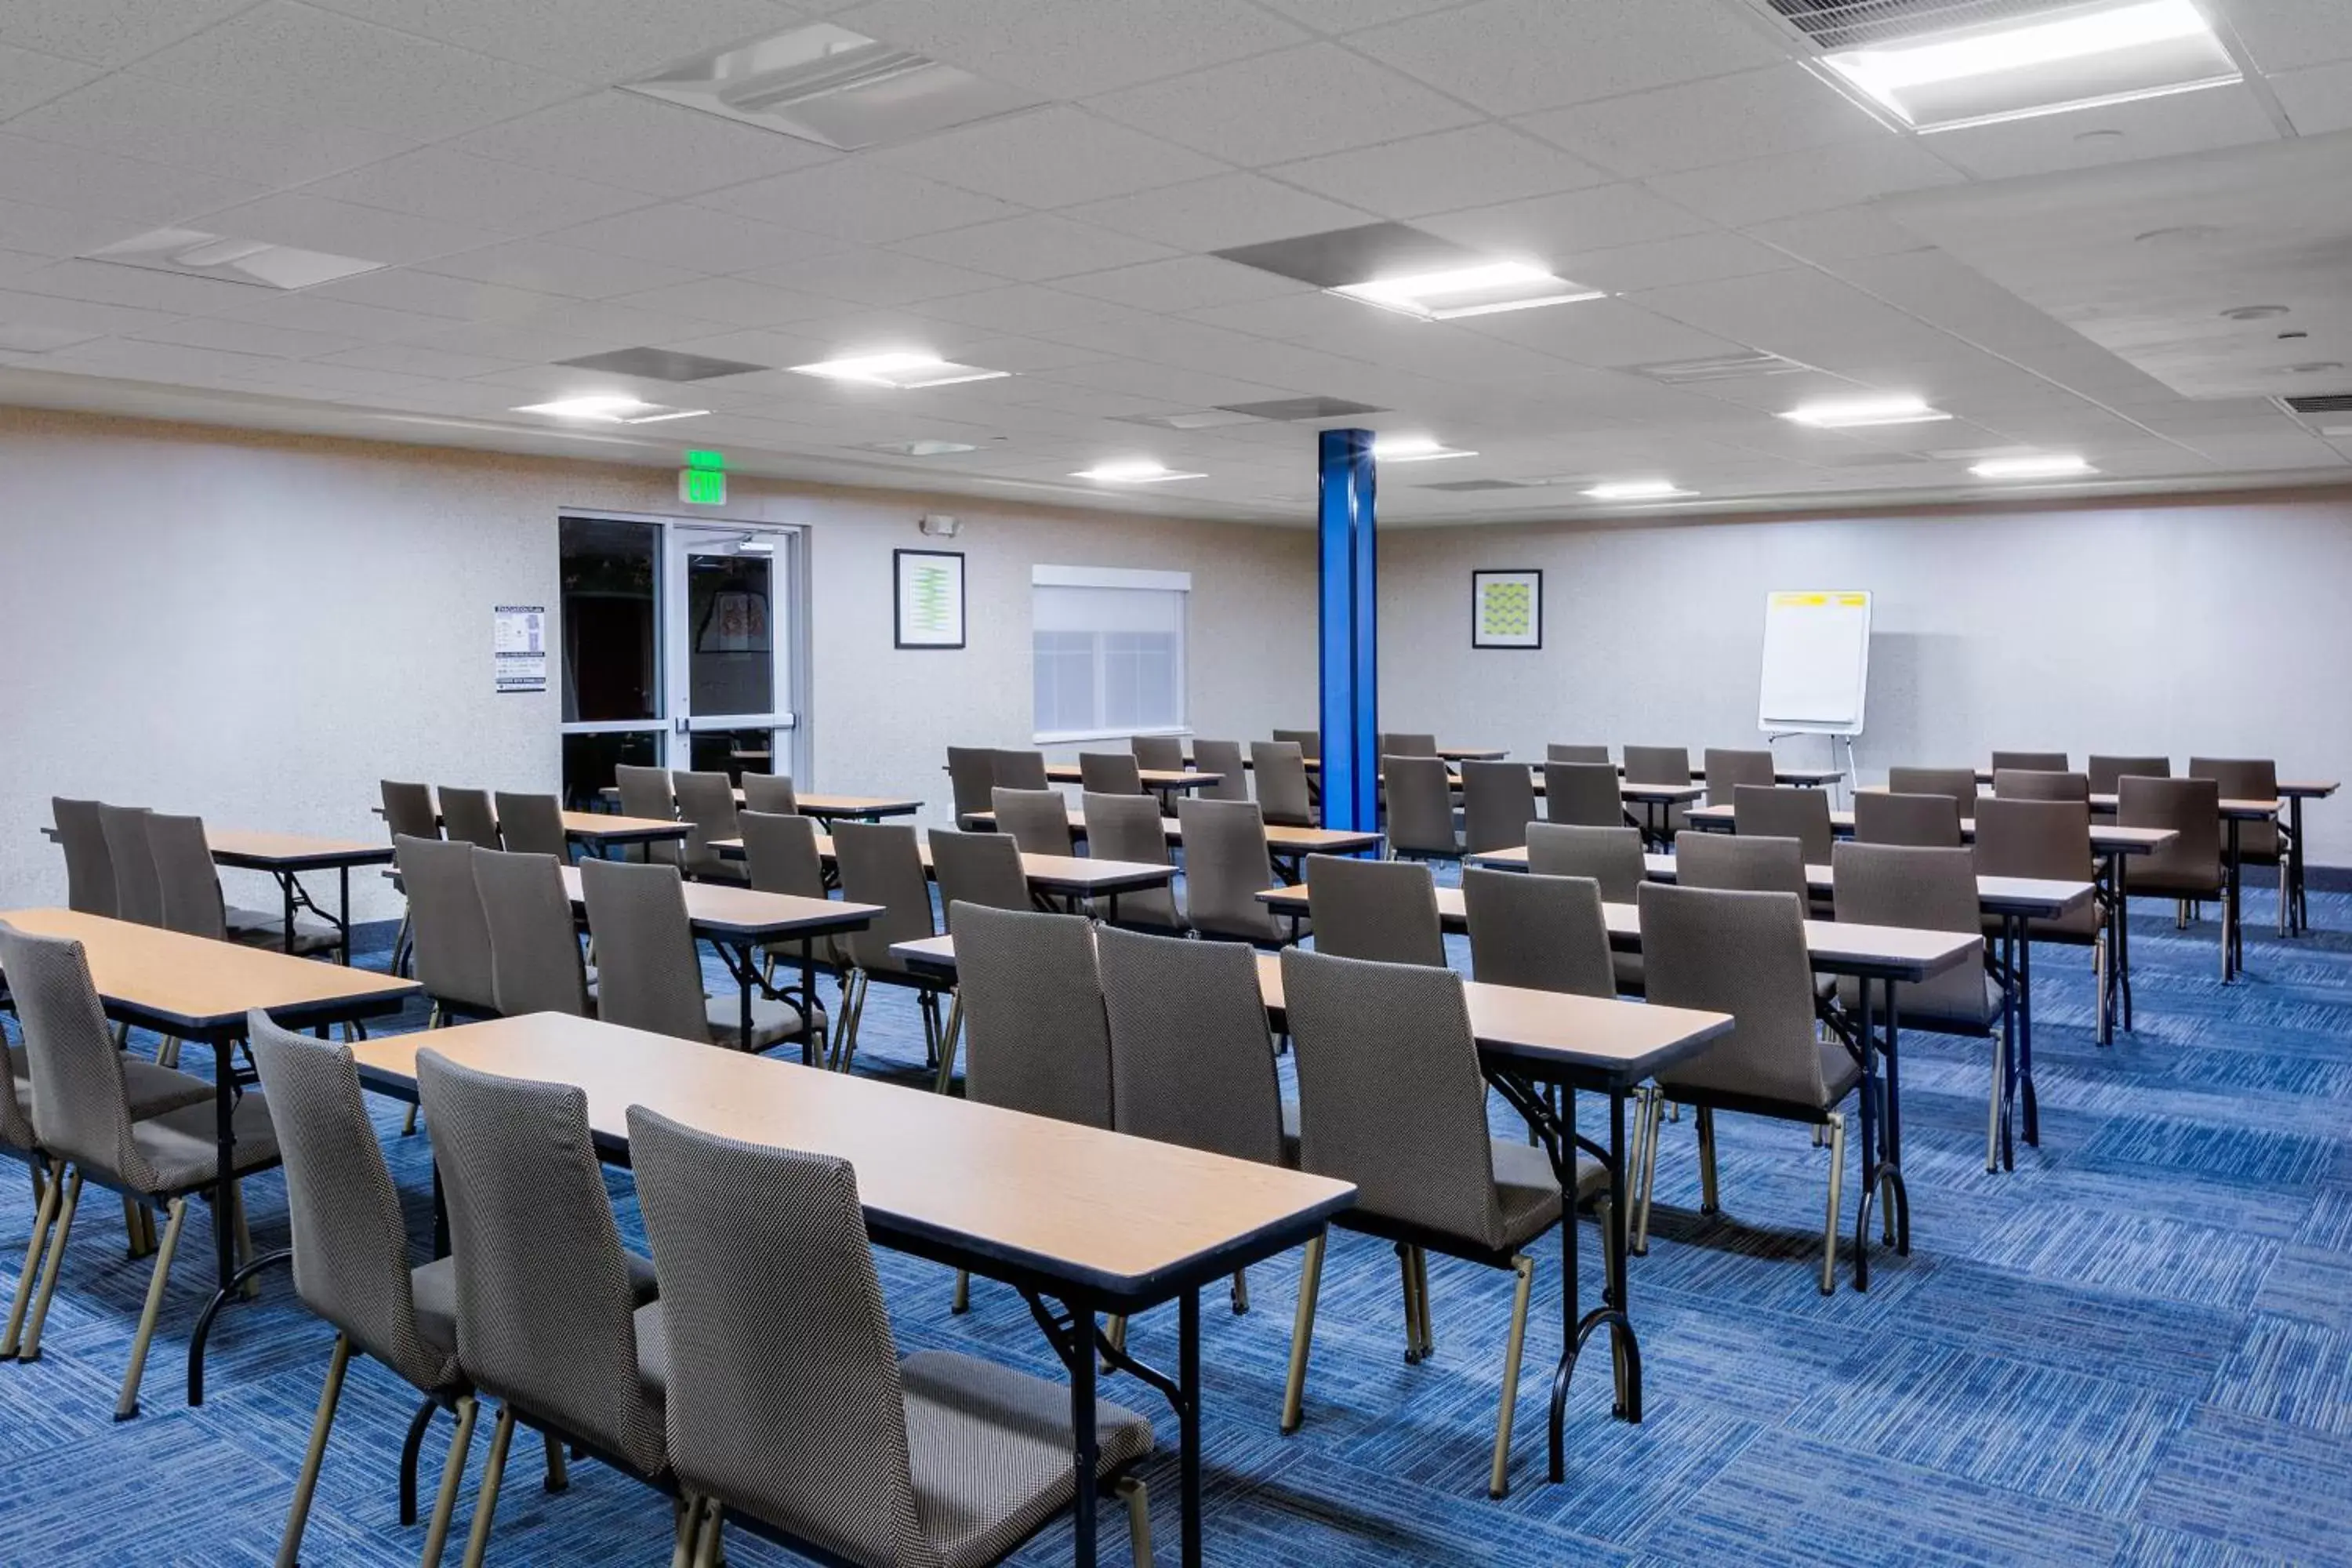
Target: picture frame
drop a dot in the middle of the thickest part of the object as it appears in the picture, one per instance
(1506, 608)
(927, 608)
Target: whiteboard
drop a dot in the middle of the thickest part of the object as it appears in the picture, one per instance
(1816, 661)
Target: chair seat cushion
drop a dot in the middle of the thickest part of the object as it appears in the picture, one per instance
(151, 1090)
(653, 1353)
(1840, 1071)
(179, 1144)
(1948, 1003)
(1632, 979)
(1528, 1190)
(252, 927)
(1290, 1133)
(989, 1449)
(773, 1022)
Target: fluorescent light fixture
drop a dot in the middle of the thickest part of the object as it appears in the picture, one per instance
(1480, 290)
(2045, 465)
(2079, 57)
(1413, 449)
(1637, 490)
(610, 408)
(905, 369)
(756, 544)
(1134, 471)
(1854, 412)
(254, 261)
(920, 448)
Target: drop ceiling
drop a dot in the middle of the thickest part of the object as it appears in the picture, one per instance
(542, 232)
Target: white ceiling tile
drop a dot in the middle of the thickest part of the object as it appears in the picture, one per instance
(589, 40)
(1025, 307)
(1182, 283)
(643, 144)
(682, 234)
(339, 228)
(1441, 173)
(762, 347)
(2120, 133)
(2317, 101)
(28, 79)
(1034, 247)
(137, 116)
(1780, 109)
(1070, 48)
(1548, 228)
(1347, 16)
(872, 277)
(81, 314)
(113, 283)
(548, 268)
(431, 294)
(1296, 103)
(53, 231)
(496, 198)
(1828, 237)
(1604, 333)
(246, 338)
(156, 361)
(1656, 264)
(1050, 157)
(311, 312)
(107, 32)
(858, 199)
(522, 342)
(408, 359)
(733, 301)
(302, 62)
(79, 180)
(1025, 356)
(2284, 34)
(16, 263)
(337, 380)
(1510, 57)
(1220, 211)
(1737, 195)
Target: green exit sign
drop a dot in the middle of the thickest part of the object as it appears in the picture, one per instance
(702, 486)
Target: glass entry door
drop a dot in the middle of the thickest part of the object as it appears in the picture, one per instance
(729, 671)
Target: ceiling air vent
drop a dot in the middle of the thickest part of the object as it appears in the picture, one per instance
(1201, 419)
(1719, 367)
(660, 364)
(1848, 23)
(2322, 402)
(1471, 486)
(1294, 409)
(229, 260)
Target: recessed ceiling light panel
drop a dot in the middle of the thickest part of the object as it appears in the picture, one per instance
(920, 448)
(906, 371)
(1134, 471)
(1413, 449)
(2041, 466)
(1482, 289)
(610, 408)
(252, 261)
(1857, 413)
(1637, 490)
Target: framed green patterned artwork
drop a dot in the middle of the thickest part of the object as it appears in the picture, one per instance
(1507, 609)
(930, 598)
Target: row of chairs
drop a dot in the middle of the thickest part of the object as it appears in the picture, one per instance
(131, 863)
(704, 802)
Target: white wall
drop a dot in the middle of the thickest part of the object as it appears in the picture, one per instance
(259, 628)
(2222, 628)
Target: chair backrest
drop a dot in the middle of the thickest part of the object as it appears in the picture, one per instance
(1389, 1095)
(647, 974)
(1227, 865)
(1959, 784)
(1223, 758)
(771, 792)
(532, 824)
(1382, 910)
(1582, 794)
(981, 868)
(89, 869)
(706, 801)
(138, 892)
(1109, 773)
(1420, 804)
(2104, 771)
(1555, 753)
(1742, 862)
(1035, 1036)
(1927, 821)
(1280, 769)
(2244, 778)
(408, 809)
(450, 935)
(749, 1241)
(1925, 890)
(1129, 827)
(1657, 765)
(1159, 754)
(468, 816)
(535, 965)
(527, 1209)
(1021, 769)
(645, 792)
(972, 773)
(81, 1112)
(780, 850)
(1407, 744)
(1802, 815)
(2050, 839)
(1498, 801)
(1309, 742)
(1037, 819)
(882, 863)
(1728, 770)
(1191, 1058)
(351, 1241)
(1609, 856)
(1742, 953)
(2028, 783)
(184, 874)
(1546, 933)
(2030, 761)
(2191, 807)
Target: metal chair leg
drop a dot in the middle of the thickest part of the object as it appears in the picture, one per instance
(486, 1503)
(1421, 1301)
(1837, 1194)
(1707, 1194)
(706, 1545)
(453, 1474)
(244, 1238)
(1412, 1305)
(685, 1524)
(1302, 1335)
(558, 1477)
(1499, 1480)
(1114, 1331)
(127, 1404)
(950, 1034)
(1992, 1107)
(289, 1545)
(1649, 1172)
(45, 1220)
(962, 1302)
(57, 1260)
(1240, 1292)
(1137, 1498)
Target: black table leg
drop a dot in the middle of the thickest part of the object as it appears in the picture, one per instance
(1869, 1139)
(1084, 1451)
(2025, 1038)
(343, 878)
(2295, 913)
(1895, 1211)
(2011, 927)
(2121, 961)
(286, 896)
(808, 1001)
(224, 1191)
(1188, 1419)
(2233, 950)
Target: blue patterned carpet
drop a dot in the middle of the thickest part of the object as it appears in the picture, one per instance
(2135, 1349)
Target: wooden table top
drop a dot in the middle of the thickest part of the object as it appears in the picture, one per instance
(740, 914)
(604, 827)
(2288, 789)
(1154, 779)
(200, 989)
(290, 851)
(2037, 896)
(1082, 874)
(1664, 794)
(2106, 838)
(1280, 839)
(1119, 1215)
(2239, 810)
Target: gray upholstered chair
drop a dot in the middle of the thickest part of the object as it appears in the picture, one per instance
(2027, 783)
(648, 974)
(1541, 933)
(1035, 1036)
(1280, 768)
(1958, 784)
(467, 817)
(705, 801)
(2259, 842)
(937, 1458)
(1557, 752)
(89, 869)
(1384, 910)
(1727, 770)
(780, 853)
(1744, 862)
(1309, 742)
(1159, 754)
(2104, 771)
(981, 868)
(1227, 865)
(645, 792)
(581, 1365)
(1021, 769)
(1802, 815)
(1612, 857)
(82, 1115)
(1223, 758)
(1922, 821)
(1406, 743)
(1109, 773)
(881, 863)
(1392, 1098)
(1743, 953)
(535, 964)
(972, 773)
(1660, 765)
(1420, 792)
(1129, 827)
(1582, 794)
(1498, 801)
(531, 823)
(2049, 839)
(451, 937)
(1038, 820)
(138, 893)
(408, 809)
(2030, 761)
(192, 904)
(351, 1257)
(771, 794)
(2189, 869)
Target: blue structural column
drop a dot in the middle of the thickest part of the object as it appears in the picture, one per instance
(1349, 628)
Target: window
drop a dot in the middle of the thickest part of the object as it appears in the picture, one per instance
(1108, 651)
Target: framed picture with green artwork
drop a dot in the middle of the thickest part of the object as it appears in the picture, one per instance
(929, 611)
(1507, 609)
